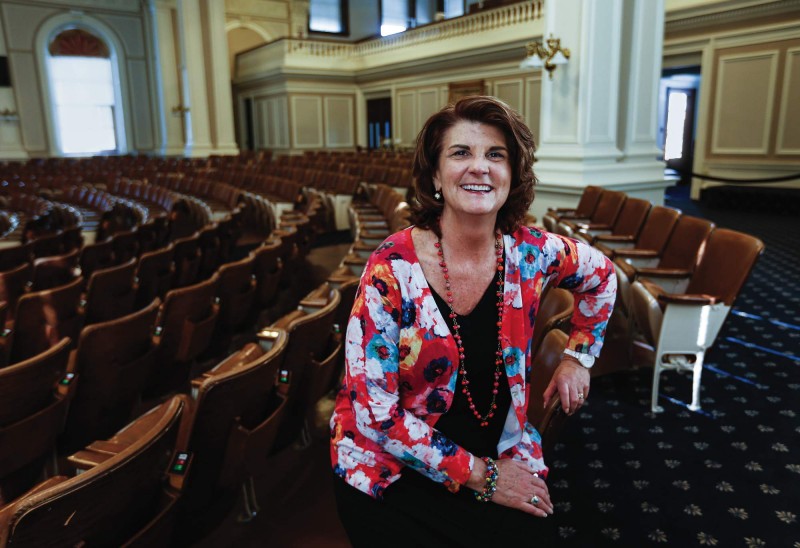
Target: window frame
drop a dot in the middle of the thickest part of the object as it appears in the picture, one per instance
(344, 14)
(123, 123)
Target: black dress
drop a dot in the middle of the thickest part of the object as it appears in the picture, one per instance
(416, 511)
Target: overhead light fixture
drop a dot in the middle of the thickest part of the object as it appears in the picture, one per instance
(547, 57)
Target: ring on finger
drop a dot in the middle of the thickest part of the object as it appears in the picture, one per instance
(580, 395)
(534, 500)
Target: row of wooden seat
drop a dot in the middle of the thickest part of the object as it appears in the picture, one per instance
(678, 275)
(228, 427)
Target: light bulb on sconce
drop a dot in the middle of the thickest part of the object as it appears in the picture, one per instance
(548, 57)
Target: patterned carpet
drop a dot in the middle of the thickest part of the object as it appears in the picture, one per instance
(728, 475)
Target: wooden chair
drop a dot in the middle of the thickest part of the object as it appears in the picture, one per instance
(628, 223)
(33, 406)
(47, 246)
(187, 258)
(124, 495)
(555, 312)
(236, 291)
(154, 275)
(72, 238)
(45, 317)
(110, 293)
(96, 256)
(15, 256)
(678, 259)
(654, 235)
(50, 272)
(268, 269)
(112, 363)
(232, 411)
(548, 420)
(682, 325)
(184, 329)
(347, 286)
(309, 328)
(584, 209)
(13, 284)
(209, 245)
(605, 214)
(125, 245)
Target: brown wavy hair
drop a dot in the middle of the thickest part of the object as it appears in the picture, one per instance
(425, 209)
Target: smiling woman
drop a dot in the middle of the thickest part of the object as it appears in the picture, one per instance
(431, 423)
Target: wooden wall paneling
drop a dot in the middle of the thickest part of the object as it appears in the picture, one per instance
(406, 116)
(743, 108)
(427, 104)
(788, 140)
(339, 121)
(307, 121)
(533, 104)
(512, 92)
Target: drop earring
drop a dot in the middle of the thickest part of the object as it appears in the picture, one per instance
(437, 195)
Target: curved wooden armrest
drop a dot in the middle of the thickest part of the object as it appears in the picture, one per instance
(593, 226)
(572, 216)
(373, 234)
(664, 272)
(283, 231)
(354, 260)
(341, 275)
(268, 336)
(614, 238)
(284, 321)
(87, 459)
(561, 210)
(685, 298)
(317, 298)
(627, 269)
(637, 253)
(38, 488)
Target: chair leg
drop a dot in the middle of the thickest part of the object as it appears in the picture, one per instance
(697, 372)
(250, 506)
(657, 370)
(304, 440)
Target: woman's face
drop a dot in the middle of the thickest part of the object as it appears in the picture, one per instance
(474, 172)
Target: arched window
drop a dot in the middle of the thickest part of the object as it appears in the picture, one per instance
(82, 93)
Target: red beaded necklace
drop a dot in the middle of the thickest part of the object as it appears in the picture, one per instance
(462, 369)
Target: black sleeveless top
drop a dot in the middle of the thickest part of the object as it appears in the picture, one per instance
(479, 336)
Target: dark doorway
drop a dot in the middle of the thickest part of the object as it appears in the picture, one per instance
(248, 121)
(379, 122)
(677, 108)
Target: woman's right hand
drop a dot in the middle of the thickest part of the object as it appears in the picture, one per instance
(516, 486)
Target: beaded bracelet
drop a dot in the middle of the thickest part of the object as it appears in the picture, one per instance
(491, 481)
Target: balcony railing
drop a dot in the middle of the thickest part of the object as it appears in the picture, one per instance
(306, 52)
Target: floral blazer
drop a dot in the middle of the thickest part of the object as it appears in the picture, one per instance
(401, 360)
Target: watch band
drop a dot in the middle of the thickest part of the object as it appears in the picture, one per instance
(585, 360)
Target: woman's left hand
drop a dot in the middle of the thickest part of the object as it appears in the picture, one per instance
(571, 380)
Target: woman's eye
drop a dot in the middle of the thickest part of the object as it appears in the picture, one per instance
(496, 155)
(460, 153)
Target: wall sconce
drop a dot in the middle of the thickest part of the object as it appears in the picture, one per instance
(8, 115)
(547, 57)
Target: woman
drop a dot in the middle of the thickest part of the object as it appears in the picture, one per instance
(431, 423)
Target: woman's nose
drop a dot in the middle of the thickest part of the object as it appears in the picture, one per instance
(479, 164)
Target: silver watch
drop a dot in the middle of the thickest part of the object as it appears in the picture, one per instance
(584, 359)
